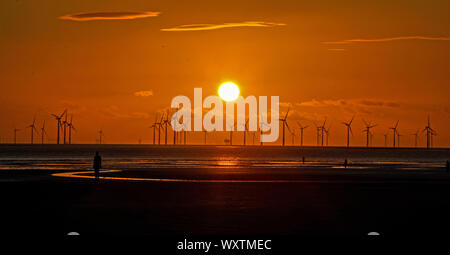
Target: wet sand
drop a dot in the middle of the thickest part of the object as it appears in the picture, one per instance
(311, 201)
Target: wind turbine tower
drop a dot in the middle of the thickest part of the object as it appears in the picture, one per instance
(367, 131)
(301, 132)
(394, 132)
(349, 130)
(32, 128)
(283, 120)
(58, 128)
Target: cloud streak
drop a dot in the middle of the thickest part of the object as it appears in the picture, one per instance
(144, 93)
(202, 27)
(88, 16)
(343, 102)
(390, 39)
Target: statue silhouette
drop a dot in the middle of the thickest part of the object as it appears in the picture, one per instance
(97, 165)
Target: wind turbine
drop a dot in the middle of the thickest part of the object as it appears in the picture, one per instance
(394, 131)
(15, 135)
(293, 136)
(318, 134)
(71, 127)
(283, 120)
(349, 130)
(32, 128)
(327, 133)
(43, 132)
(174, 117)
(367, 131)
(322, 128)
(58, 119)
(245, 131)
(100, 133)
(160, 123)
(261, 131)
(165, 122)
(385, 139)
(301, 132)
(154, 128)
(416, 138)
(430, 132)
(231, 127)
(65, 126)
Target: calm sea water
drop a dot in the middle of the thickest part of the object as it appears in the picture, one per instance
(79, 157)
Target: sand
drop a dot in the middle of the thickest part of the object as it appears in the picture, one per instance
(311, 201)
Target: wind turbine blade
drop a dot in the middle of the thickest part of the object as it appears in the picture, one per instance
(62, 114)
(287, 126)
(350, 128)
(351, 120)
(396, 125)
(285, 117)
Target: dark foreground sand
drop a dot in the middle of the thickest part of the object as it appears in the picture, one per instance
(318, 201)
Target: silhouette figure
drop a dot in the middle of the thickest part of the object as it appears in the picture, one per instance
(97, 165)
(448, 166)
(303, 160)
(345, 163)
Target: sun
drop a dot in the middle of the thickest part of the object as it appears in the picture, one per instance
(228, 91)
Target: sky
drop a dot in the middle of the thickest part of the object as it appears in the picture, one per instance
(115, 65)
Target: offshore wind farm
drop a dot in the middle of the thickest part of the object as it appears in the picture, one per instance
(160, 128)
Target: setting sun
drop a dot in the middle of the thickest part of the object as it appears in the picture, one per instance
(228, 91)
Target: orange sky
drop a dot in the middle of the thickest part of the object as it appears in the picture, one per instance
(81, 56)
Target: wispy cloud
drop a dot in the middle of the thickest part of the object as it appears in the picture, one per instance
(114, 112)
(348, 103)
(87, 16)
(389, 39)
(337, 49)
(344, 102)
(201, 27)
(144, 93)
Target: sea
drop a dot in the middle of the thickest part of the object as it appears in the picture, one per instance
(79, 157)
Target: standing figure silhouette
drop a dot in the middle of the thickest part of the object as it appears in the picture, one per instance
(97, 165)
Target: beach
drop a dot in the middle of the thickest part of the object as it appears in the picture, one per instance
(392, 192)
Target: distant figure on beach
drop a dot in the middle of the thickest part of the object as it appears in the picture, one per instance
(448, 166)
(97, 165)
(345, 163)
